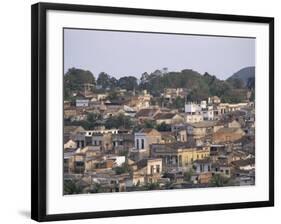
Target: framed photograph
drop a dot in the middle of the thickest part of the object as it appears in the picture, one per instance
(140, 111)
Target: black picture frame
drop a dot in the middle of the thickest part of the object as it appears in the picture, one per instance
(38, 108)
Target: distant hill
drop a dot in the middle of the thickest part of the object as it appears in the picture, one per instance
(244, 74)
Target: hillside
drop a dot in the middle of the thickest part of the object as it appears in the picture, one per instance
(244, 74)
(198, 86)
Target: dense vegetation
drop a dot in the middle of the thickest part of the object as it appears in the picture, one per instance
(198, 86)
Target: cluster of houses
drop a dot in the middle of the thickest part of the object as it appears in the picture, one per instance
(207, 144)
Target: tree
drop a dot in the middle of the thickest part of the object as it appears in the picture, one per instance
(152, 186)
(149, 124)
(128, 83)
(74, 80)
(163, 127)
(237, 83)
(105, 81)
(144, 77)
(178, 103)
(188, 175)
(219, 181)
(94, 118)
(70, 187)
(121, 169)
(119, 121)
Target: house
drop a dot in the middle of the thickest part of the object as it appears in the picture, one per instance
(222, 168)
(99, 164)
(230, 107)
(204, 178)
(102, 141)
(227, 135)
(193, 118)
(168, 118)
(66, 104)
(208, 113)
(203, 128)
(70, 130)
(234, 124)
(192, 108)
(247, 164)
(167, 137)
(214, 100)
(173, 93)
(143, 139)
(179, 154)
(82, 103)
(244, 177)
(122, 142)
(146, 114)
(74, 162)
(203, 165)
(70, 112)
(181, 135)
(70, 144)
(150, 168)
(139, 102)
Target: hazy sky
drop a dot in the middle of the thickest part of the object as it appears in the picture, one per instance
(129, 53)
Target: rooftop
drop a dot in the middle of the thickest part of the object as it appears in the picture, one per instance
(160, 116)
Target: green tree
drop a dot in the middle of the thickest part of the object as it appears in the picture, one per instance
(121, 169)
(128, 83)
(70, 187)
(119, 121)
(178, 103)
(163, 127)
(152, 186)
(74, 80)
(219, 180)
(105, 81)
(188, 175)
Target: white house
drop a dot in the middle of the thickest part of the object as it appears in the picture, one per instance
(82, 103)
(192, 108)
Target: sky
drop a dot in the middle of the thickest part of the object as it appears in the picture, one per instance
(133, 53)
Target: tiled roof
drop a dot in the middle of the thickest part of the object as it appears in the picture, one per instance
(161, 116)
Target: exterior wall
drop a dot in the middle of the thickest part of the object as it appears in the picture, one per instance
(182, 136)
(70, 144)
(204, 178)
(191, 108)
(70, 112)
(104, 141)
(234, 124)
(154, 166)
(196, 131)
(189, 118)
(82, 103)
(175, 120)
(180, 157)
(142, 140)
(208, 115)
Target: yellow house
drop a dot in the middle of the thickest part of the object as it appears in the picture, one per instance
(179, 154)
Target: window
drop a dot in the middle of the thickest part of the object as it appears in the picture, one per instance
(142, 143)
(158, 168)
(151, 170)
(138, 144)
